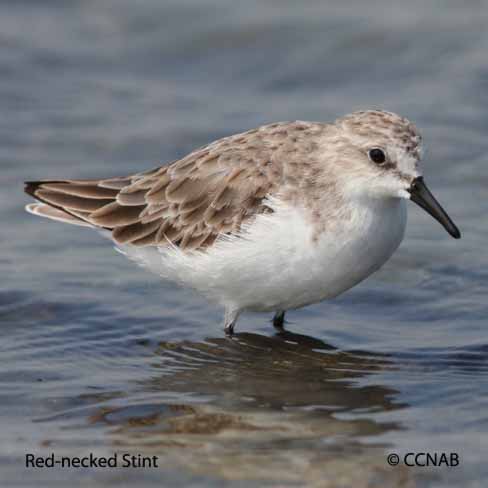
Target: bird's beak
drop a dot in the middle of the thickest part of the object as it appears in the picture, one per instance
(420, 194)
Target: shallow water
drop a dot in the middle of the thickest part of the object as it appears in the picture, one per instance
(98, 356)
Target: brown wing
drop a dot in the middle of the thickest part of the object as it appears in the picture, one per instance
(189, 203)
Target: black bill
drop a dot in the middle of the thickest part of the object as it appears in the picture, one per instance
(421, 195)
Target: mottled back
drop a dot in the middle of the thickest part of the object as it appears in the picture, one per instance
(192, 201)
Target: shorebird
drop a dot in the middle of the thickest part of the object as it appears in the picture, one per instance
(272, 219)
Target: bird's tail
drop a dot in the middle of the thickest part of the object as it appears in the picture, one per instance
(70, 201)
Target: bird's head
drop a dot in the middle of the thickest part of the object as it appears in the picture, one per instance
(380, 152)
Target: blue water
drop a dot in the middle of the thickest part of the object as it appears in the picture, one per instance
(98, 356)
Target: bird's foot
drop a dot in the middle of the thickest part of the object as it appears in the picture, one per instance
(279, 320)
(230, 320)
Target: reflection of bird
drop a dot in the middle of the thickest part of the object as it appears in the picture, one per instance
(272, 219)
(284, 370)
(249, 407)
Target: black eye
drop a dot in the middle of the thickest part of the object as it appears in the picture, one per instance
(377, 155)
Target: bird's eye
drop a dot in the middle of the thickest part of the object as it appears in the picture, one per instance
(377, 155)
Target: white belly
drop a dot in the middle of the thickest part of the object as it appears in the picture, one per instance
(278, 265)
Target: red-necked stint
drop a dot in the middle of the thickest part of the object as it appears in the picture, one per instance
(272, 219)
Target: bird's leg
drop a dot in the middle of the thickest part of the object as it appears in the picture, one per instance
(279, 319)
(230, 319)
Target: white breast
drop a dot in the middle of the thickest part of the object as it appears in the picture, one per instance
(279, 265)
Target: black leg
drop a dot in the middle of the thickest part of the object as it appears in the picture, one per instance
(230, 320)
(279, 320)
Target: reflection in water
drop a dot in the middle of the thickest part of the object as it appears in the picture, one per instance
(280, 372)
(253, 407)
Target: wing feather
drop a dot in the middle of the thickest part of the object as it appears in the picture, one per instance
(192, 201)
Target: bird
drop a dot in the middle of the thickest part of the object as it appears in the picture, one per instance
(269, 220)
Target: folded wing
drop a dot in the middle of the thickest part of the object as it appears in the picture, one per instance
(188, 203)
